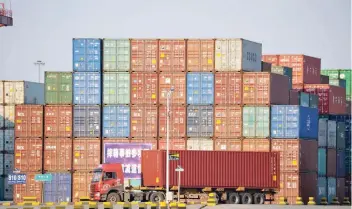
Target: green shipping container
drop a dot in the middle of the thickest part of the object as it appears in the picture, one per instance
(116, 55)
(332, 73)
(58, 88)
(347, 75)
(256, 122)
(116, 88)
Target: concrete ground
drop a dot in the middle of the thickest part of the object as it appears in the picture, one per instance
(225, 206)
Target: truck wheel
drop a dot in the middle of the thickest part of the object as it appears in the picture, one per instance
(234, 198)
(157, 197)
(113, 197)
(259, 198)
(247, 198)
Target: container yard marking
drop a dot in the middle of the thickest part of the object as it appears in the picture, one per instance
(17, 178)
(43, 177)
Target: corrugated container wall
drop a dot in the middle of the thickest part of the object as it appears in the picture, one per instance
(200, 144)
(321, 162)
(58, 88)
(347, 75)
(200, 55)
(57, 154)
(323, 132)
(59, 189)
(28, 154)
(200, 88)
(81, 185)
(332, 128)
(7, 139)
(172, 55)
(58, 121)
(175, 144)
(287, 71)
(228, 88)
(6, 189)
(23, 92)
(256, 122)
(32, 188)
(266, 66)
(144, 88)
(116, 121)
(331, 189)
(304, 99)
(144, 55)
(228, 121)
(331, 162)
(116, 55)
(321, 189)
(340, 135)
(86, 121)
(338, 82)
(294, 97)
(178, 82)
(347, 120)
(256, 145)
(87, 55)
(86, 154)
(144, 121)
(7, 162)
(228, 145)
(29, 121)
(87, 88)
(340, 164)
(273, 59)
(324, 79)
(200, 121)
(9, 116)
(177, 121)
(313, 101)
(237, 55)
(116, 88)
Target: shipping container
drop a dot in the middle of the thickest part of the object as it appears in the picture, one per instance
(227, 144)
(57, 154)
(86, 121)
(116, 88)
(332, 128)
(174, 144)
(298, 87)
(200, 144)
(32, 188)
(338, 82)
(149, 141)
(58, 121)
(144, 121)
(340, 189)
(116, 121)
(256, 122)
(144, 88)
(86, 154)
(200, 88)
(59, 188)
(2, 116)
(347, 120)
(323, 132)
(331, 162)
(331, 189)
(256, 145)
(81, 185)
(304, 99)
(87, 88)
(7, 140)
(265, 88)
(332, 74)
(228, 121)
(115, 140)
(58, 88)
(340, 164)
(296, 155)
(282, 70)
(321, 189)
(200, 55)
(321, 162)
(144, 55)
(332, 99)
(2, 92)
(172, 55)
(8, 164)
(116, 55)
(348, 108)
(273, 59)
(313, 101)
(348, 161)
(29, 121)
(293, 121)
(324, 79)
(200, 121)
(9, 116)
(177, 121)
(294, 97)
(23, 92)
(87, 55)
(6, 190)
(177, 81)
(340, 135)
(228, 88)
(28, 154)
(347, 75)
(266, 67)
(237, 55)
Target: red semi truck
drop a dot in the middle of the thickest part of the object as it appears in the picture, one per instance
(236, 177)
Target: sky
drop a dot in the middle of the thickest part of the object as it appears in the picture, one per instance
(43, 30)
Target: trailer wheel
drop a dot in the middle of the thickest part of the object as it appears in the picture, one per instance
(247, 198)
(259, 198)
(156, 197)
(113, 197)
(234, 198)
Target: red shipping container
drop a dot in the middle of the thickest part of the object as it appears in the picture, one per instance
(265, 88)
(224, 167)
(172, 55)
(228, 121)
(296, 155)
(144, 88)
(174, 144)
(153, 142)
(340, 188)
(228, 145)
(200, 55)
(332, 99)
(178, 82)
(58, 121)
(256, 145)
(273, 59)
(57, 154)
(298, 87)
(331, 163)
(294, 97)
(86, 154)
(81, 185)
(32, 188)
(144, 121)
(144, 55)
(228, 88)
(28, 154)
(29, 121)
(177, 121)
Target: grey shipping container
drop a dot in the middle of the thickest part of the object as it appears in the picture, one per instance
(340, 135)
(86, 121)
(200, 121)
(323, 132)
(23, 92)
(7, 139)
(313, 101)
(331, 134)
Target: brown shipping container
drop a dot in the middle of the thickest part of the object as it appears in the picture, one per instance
(273, 59)
(144, 88)
(144, 121)
(176, 80)
(223, 164)
(153, 142)
(28, 154)
(228, 121)
(200, 55)
(331, 163)
(172, 55)
(265, 88)
(228, 88)
(228, 145)
(296, 155)
(340, 188)
(144, 55)
(266, 67)
(174, 144)
(294, 97)
(86, 154)
(324, 79)
(29, 121)
(58, 121)
(32, 188)
(177, 121)
(57, 154)
(81, 185)
(256, 145)
(298, 87)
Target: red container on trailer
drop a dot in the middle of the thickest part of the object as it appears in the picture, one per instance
(58, 121)
(29, 121)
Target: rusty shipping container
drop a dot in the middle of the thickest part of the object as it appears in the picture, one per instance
(58, 121)
(227, 145)
(177, 121)
(81, 185)
(296, 155)
(175, 80)
(144, 88)
(32, 188)
(265, 88)
(144, 55)
(223, 164)
(174, 144)
(57, 154)
(228, 121)
(151, 141)
(28, 154)
(228, 88)
(29, 121)
(256, 145)
(331, 163)
(200, 55)
(144, 121)
(172, 55)
(86, 154)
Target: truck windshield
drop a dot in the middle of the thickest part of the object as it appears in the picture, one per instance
(96, 176)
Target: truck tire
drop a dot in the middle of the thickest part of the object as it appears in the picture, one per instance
(247, 198)
(234, 198)
(259, 198)
(113, 197)
(157, 197)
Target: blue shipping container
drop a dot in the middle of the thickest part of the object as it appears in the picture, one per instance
(331, 189)
(304, 99)
(347, 120)
(200, 88)
(87, 88)
(348, 161)
(340, 164)
(321, 162)
(87, 55)
(86, 121)
(293, 121)
(116, 121)
(59, 189)
(321, 189)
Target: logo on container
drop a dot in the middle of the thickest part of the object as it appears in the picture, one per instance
(308, 123)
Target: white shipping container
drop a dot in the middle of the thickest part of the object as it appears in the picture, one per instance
(331, 134)
(2, 116)
(323, 132)
(9, 116)
(238, 55)
(1, 92)
(8, 163)
(7, 139)
(200, 144)
(23, 92)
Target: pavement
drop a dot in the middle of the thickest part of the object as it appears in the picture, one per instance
(228, 206)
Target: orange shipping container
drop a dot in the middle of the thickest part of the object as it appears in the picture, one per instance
(144, 55)
(200, 55)
(175, 80)
(228, 121)
(57, 154)
(29, 121)
(81, 185)
(177, 121)
(172, 55)
(28, 154)
(153, 142)
(273, 59)
(86, 154)
(174, 144)
(228, 88)
(256, 145)
(32, 188)
(228, 145)
(58, 121)
(144, 88)
(144, 121)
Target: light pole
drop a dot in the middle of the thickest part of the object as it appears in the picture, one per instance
(169, 94)
(39, 63)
